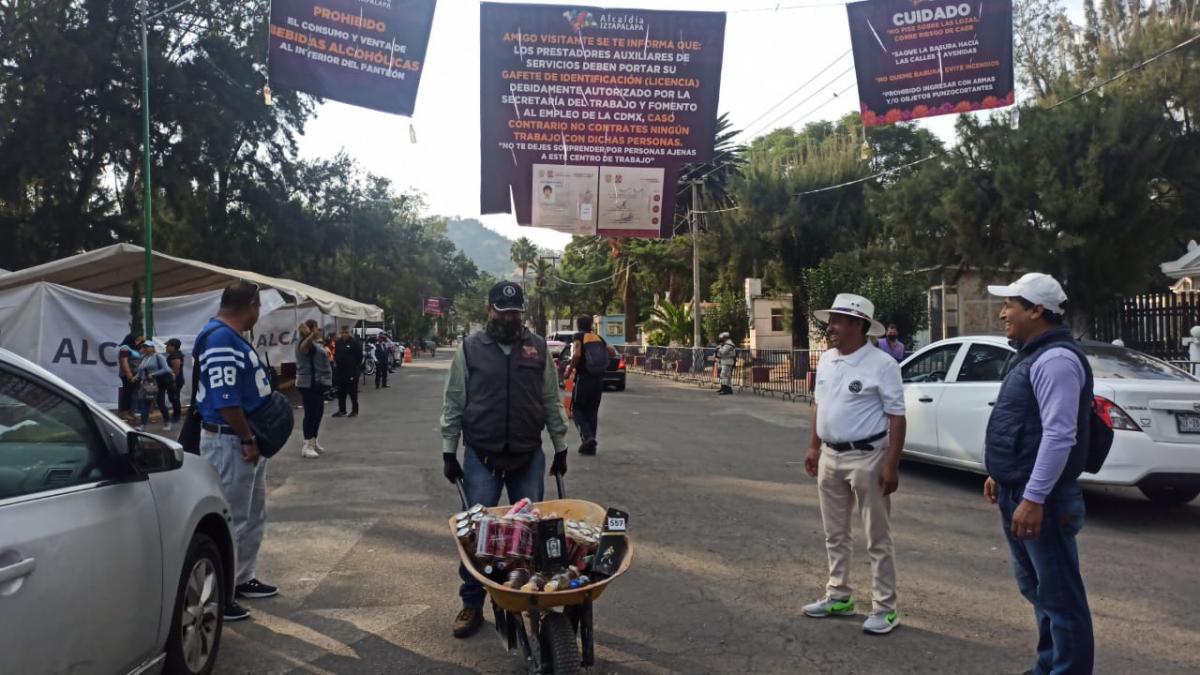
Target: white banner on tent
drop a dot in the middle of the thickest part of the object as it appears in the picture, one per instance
(276, 334)
(75, 334)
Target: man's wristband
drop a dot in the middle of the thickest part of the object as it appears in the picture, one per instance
(248, 441)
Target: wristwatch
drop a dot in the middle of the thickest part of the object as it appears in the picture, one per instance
(248, 441)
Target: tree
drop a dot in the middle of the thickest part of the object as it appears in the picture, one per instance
(523, 253)
(730, 315)
(899, 298)
(543, 281)
(674, 321)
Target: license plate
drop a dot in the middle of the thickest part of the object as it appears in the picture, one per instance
(1187, 423)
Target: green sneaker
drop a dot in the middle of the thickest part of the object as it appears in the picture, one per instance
(827, 606)
(881, 623)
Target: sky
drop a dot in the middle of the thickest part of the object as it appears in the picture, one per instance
(768, 54)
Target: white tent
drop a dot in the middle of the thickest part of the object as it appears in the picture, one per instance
(69, 315)
(1185, 267)
(113, 269)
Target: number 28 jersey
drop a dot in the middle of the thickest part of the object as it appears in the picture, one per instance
(231, 374)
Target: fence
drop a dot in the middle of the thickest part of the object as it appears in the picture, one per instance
(1154, 323)
(787, 373)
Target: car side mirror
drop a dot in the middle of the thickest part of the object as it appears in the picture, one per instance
(153, 454)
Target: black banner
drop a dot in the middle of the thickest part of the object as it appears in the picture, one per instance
(920, 58)
(587, 113)
(368, 53)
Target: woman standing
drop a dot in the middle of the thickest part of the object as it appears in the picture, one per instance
(313, 375)
(128, 357)
(154, 376)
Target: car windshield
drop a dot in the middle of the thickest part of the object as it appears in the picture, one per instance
(1119, 363)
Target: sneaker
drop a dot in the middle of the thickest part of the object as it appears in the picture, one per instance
(881, 623)
(588, 448)
(467, 622)
(827, 606)
(317, 446)
(256, 589)
(235, 612)
(340, 413)
(307, 451)
(353, 414)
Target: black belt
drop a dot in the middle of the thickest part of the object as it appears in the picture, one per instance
(864, 444)
(218, 428)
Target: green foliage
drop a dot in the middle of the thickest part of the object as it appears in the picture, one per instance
(489, 250)
(523, 253)
(730, 315)
(674, 321)
(898, 298)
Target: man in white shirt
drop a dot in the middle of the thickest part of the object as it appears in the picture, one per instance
(858, 431)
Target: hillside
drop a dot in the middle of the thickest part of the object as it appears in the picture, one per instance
(487, 248)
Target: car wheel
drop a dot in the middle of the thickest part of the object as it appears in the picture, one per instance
(196, 624)
(1169, 496)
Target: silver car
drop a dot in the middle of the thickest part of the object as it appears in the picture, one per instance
(116, 550)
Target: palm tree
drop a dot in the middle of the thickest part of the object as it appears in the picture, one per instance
(543, 280)
(523, 253)
(674, 320)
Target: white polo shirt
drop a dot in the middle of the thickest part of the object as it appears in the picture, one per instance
(856, 393)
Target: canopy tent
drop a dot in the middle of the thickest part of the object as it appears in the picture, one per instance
(1187, 265)
(113, 269)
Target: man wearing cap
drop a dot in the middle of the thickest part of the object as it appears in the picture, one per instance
(1035, 449)
(854, 453)
(502, 391)
(726, 359)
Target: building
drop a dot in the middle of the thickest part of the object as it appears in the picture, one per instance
(959, 304)
(770, 324)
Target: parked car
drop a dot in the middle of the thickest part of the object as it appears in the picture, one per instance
(1154, 409)
(116, 549)
(614, 376)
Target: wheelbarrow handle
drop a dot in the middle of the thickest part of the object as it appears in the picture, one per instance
(462, 494)
(562, 491)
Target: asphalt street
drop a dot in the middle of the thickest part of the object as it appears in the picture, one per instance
(728, 546)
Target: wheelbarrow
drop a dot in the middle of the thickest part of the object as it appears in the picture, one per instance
(554, 630)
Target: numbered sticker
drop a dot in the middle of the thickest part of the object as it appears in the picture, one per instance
(616, 525)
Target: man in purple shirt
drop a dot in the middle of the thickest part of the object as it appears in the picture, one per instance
(892, 344)
(1036, 445)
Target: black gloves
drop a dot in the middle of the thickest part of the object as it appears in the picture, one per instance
(559, 466)
(452, 470)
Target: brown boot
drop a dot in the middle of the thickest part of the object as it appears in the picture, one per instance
(467, 622)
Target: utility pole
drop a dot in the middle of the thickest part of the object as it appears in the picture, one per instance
(695, 217)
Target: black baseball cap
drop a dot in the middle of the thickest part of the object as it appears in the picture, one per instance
(507, 297)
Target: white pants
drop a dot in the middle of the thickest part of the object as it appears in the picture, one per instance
(245, 488)
(844, 478)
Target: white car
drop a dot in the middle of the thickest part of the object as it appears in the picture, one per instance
(950, 388)
(116, 550)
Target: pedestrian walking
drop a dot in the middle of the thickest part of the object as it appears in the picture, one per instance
(1035, 448)
(858, 429)
(233, 384)
(348, 358)
(383, 359)
(501, 392)
(154, 378)
(726, 360)
(314, 374)
(892, 344)
(590, 356)
(175, 361)
(128, 357)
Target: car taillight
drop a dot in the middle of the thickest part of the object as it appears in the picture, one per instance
(1113, 416)
(621, 364)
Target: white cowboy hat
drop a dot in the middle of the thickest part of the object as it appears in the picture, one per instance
(856, 306)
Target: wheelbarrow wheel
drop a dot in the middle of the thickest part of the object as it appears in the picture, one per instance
(560, 649)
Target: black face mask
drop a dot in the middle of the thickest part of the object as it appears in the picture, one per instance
(504, 331)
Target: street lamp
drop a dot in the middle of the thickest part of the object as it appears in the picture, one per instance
(148, 225)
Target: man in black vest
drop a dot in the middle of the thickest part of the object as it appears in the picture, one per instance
(1035, 449)
(502, 391)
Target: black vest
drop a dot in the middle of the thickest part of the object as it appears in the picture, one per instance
(1014, 430)
(505, 414)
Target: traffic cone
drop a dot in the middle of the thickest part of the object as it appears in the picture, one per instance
(569, 386)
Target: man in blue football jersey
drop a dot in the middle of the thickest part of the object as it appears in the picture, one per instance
(233, 383)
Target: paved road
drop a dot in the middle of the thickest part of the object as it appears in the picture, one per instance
(728, 548)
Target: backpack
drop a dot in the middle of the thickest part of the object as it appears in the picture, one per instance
(595, 357)
(1100, 438)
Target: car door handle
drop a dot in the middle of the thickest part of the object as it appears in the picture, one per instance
(925, 399)
(17, 570)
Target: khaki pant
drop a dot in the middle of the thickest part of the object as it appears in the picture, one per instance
(844, 478)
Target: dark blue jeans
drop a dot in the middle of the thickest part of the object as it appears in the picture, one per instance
(585, 406)
(484, 487)
(1047, 571)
